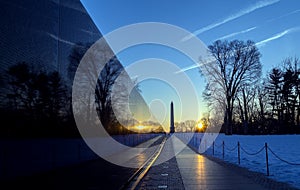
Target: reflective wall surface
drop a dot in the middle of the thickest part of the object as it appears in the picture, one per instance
(42, 43)
(43, 32)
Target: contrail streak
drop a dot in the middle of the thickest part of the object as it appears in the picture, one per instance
(236, 33)
(243, 12)
(285, 15)
(276, 36)
(208, 60)
(61, 40)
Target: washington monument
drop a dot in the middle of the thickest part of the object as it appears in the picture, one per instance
(172, 128)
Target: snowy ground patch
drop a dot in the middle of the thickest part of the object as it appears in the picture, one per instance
(253, 154)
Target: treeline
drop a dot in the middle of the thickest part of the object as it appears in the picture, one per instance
(190, 126)
(36, 102)
(272, 106)
(243, 101)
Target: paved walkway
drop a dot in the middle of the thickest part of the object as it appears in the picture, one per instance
(198, 172)
(165, 175)
(189, 171)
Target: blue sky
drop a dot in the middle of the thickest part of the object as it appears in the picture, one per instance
(272, 24)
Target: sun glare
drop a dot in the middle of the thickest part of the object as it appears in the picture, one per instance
(200, 126)
(140, 127)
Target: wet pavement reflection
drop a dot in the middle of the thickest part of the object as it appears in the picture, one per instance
(198, 172)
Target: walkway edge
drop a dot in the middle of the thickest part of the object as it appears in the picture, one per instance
(256, 177)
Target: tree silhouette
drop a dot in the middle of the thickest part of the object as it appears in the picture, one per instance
(58, 95)
(274, 89)
(21, 87)
(236, 63)
(246, 103)
(38, 99)
(104, 86)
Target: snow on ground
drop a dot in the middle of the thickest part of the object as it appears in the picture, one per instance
(287, 147)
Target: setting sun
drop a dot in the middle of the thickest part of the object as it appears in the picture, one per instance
(140, 127)
(199, 125)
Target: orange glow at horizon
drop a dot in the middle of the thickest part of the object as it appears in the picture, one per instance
(140, 127)
(200, 125)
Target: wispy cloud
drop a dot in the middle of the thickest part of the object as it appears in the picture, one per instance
(210, 60)
(285, 15)
(207, 60)
(236, 33)
(242, 12)
(61, 40)
(276, 36)
(89, 32)
(188, 68)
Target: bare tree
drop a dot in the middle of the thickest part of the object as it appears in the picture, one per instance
(246, 103)
(236, 63)
(216, 101)
(262, 97)
(103, 73)
(103, 90)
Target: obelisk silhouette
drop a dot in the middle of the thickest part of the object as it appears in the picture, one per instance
(172, 128)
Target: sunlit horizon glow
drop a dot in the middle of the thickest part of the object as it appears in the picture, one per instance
(200, 125)
(140, 127)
